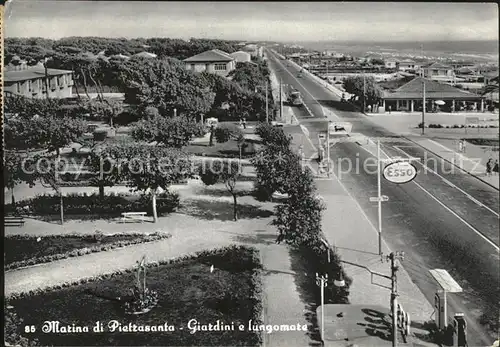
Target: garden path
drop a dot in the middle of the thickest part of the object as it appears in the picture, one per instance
(201, 224)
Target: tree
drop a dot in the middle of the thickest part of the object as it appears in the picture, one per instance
(13, 172)
(44, 169)
(299, 219)
(226, 132)
(271, 135)
(151, 168)
(365, 88)
(172, 132)
(166, 85)
(105, 164)
(107, 108)
(227, 172)
(54, 133)
(272, 161)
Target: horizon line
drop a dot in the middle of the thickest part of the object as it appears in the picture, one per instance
(249, 40)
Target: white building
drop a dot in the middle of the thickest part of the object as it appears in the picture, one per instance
(241, 57)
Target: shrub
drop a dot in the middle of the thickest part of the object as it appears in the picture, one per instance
(273, 136)
(78, 204)
(13, 328)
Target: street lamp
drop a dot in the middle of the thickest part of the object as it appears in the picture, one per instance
(322, 282)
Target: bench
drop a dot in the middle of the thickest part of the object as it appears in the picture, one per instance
(133, 216)
(13, 221)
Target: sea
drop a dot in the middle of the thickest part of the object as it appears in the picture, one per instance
(487, 50)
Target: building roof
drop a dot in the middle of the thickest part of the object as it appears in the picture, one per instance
(392, 60)
(438, 66)
(223, 53)
(407, 61)
(32, 73)
(239, 52)
(213, 55)
(119, 56)
(145, 55)
(433, 90)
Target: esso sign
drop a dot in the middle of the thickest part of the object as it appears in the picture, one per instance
(400, 172)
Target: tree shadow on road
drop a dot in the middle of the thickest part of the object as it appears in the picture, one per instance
(308, 292)
(341, 106)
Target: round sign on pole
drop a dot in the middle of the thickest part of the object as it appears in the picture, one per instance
(400, 172)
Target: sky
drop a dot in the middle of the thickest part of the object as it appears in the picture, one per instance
(258, 20)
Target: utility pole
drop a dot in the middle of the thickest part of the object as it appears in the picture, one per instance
(267, 106)
(379, 188)
(394, 294)
(322, 282)
(281, 100)
(328, 150)
(364, 92)
(423, 105)
(46, 77)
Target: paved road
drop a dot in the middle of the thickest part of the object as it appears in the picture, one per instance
(443, 219)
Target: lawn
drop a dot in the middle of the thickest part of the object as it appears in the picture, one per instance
(186, 288)
(21, 250)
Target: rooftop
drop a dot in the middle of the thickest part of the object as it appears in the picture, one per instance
(433, 90)
(32, 73)
(213, 55)
(438, 66)
(145, 55)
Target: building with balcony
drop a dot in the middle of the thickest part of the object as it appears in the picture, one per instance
(439, 72)
(214, 61)
(38, 82)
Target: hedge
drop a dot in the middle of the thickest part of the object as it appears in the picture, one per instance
(201, 254)
(82, 251)
(111, 205)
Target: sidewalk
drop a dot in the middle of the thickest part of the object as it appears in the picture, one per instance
(356, 241)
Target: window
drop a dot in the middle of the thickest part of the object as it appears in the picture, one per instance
(220, 67)
(192, 67)
(18, 87)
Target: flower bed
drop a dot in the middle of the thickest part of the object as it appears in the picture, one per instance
(456, 126)
(110, 205)
(22, 250)
(186, 289)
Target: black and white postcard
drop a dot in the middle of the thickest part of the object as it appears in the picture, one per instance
(277, 174)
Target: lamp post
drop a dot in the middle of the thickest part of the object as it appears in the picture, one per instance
(322, 282)
(423, 105)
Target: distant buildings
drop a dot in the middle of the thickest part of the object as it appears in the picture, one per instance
(407, 65)
(391, 63)
(241, 57)
(439, 72)
(214, 61)
(254, 50)
(36, 81)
